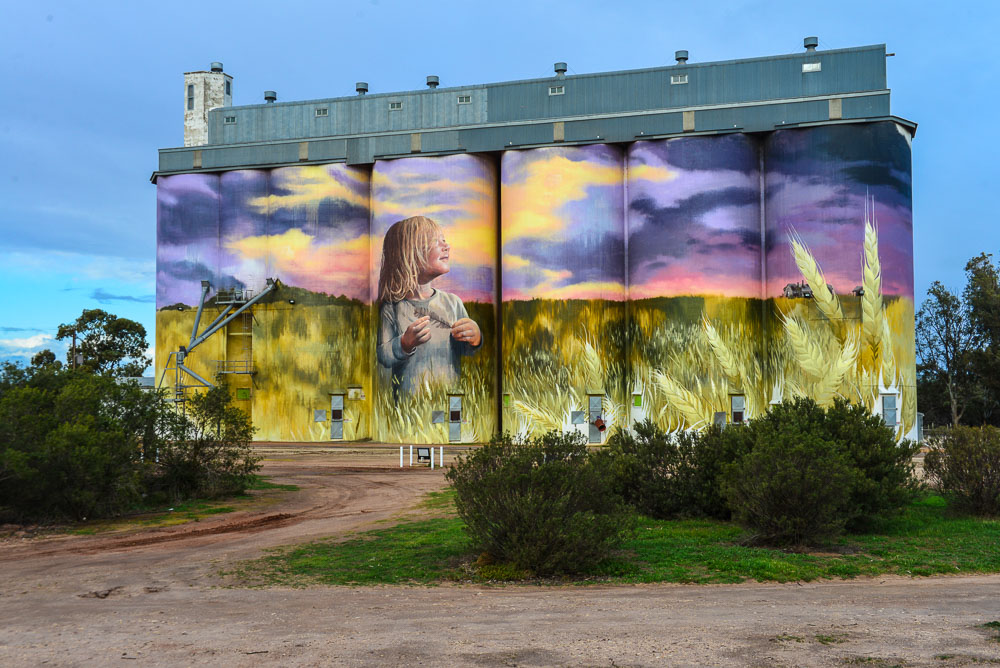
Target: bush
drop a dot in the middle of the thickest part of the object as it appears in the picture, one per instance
(64, 452)
(965, 468)
(793, 486)
(540, 505)
(78, 445)
(672, 475)
(886, 483)
(208, 454)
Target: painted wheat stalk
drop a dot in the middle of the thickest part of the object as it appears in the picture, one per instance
(836, 371)
(872, 309)
(825, 299)
(807, 352)
(534, 416)
(725, 357)
(888, 359)
(686, 403)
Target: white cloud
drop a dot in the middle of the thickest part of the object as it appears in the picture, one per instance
(93, 267)
(35, 341)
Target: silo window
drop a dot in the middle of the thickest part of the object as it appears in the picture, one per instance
(812, 67)
(395, 106)
(465, 99)
(676, 79)
(229, 87)
(190, 97)
(557, 90)
(230, 120)
(738, 407)
(322, 111)
(889, 409)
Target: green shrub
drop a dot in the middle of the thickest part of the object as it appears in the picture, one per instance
(965, 468)
(793, 486)
(209, 454)
(671, 475)
(64, 452)
(886, 483)
(540, 505)
(74, 444)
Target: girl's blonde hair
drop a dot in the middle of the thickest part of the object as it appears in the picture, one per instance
(404, 253)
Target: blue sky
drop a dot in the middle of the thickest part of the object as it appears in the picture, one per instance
(92, 90)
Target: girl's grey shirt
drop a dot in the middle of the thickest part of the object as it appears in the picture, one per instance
(436, 360)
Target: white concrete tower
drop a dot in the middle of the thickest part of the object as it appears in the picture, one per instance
(204, 91)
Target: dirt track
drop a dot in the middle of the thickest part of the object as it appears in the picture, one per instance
(148, 596)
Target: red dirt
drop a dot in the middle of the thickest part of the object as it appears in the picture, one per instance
(152, 595)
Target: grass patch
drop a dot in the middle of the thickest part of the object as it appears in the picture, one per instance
(182, 513)
(925, 540)
(264, 482)
(831, 639)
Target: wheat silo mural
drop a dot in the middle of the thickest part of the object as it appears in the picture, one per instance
(698, 349)
(187, 253)
(840, 266)
(562, 234)
(312, 378)
(433, 266)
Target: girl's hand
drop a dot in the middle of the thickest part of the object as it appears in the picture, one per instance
(466, 331)
(416, 334)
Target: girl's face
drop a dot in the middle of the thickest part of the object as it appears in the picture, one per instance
(436, 262)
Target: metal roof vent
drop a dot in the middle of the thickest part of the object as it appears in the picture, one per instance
(361, 87)
(681, 56)
(270, 96)
(810, 43)
(560, 69)
(432, 81)
(216, 67)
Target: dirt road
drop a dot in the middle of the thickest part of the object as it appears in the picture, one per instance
(150, 596)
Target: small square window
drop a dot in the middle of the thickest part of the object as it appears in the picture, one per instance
(812, 67)
(336, 414)
(322, 111)
(676, 79)
(637, 400)
(557, 90)
(455, 416)
(738, 405)
(230, 120)
(242, 393)
(889, 409)
(395, 106)
(465, 99)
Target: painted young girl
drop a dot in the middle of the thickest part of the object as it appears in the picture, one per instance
(423, 331)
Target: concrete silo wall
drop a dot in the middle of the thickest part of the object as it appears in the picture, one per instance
(563, 257)
(679, 280)
(434, 219)
(839, 266)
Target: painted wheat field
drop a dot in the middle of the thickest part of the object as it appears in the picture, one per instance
(301, 353)
(407, 418)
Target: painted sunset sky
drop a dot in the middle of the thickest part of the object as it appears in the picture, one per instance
(306, 226)
(563, 227)
(458, 192)
(816, 184)
(695, 230)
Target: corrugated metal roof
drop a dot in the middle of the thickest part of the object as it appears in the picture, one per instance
(749, 95)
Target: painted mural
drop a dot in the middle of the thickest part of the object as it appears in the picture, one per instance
(839, 225)
(695, 279)
(433, 263)
(563, 245)
(306, 227)
(686, 280)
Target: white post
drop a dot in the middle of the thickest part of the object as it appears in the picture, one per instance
(441, 457)
(432, 458)
(411, 455)
(400, 456)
